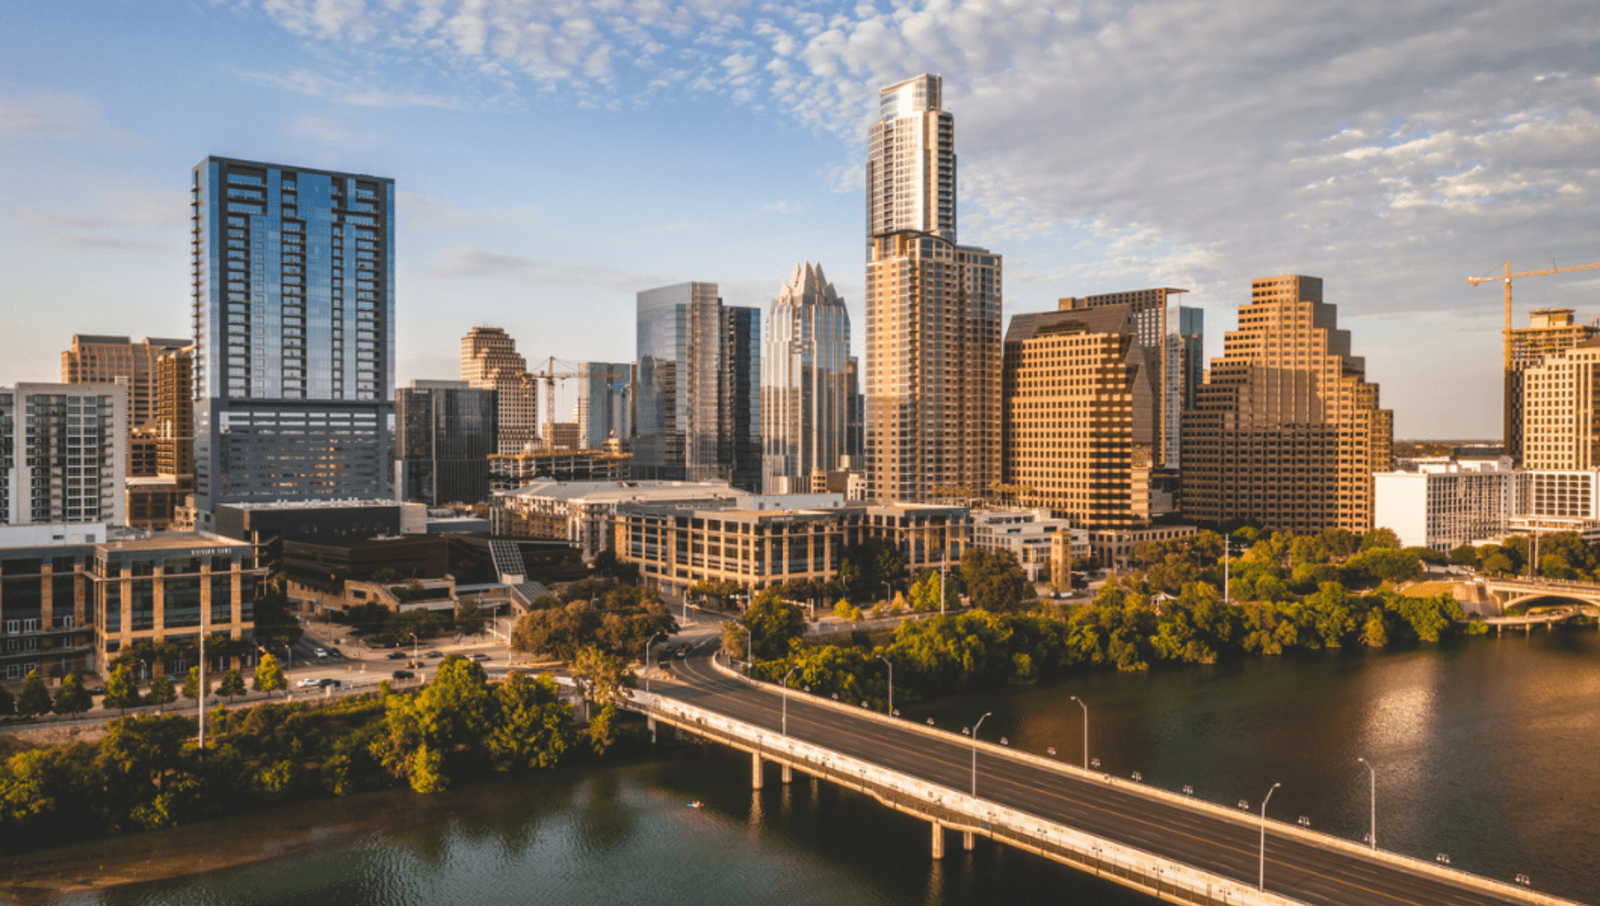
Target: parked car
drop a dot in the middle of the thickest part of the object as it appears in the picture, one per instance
(396, 655)
(96, 690)
(309, 681)
(336, 652)
(320, 652)
(404, 674)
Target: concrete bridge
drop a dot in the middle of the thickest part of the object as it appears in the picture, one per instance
(1511, 592)
(1166, 845)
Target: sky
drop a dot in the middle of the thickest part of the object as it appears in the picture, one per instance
(554, 158)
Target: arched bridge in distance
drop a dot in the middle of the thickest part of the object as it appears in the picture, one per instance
(1514, 591)
(1170, 846)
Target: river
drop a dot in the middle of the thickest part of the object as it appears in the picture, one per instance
(1484, 749)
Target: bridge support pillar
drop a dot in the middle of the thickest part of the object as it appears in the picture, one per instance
(938, 840)
(788, 774)
(755, 771)
(966, 840)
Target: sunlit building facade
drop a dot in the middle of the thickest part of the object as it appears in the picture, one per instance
(806, 394)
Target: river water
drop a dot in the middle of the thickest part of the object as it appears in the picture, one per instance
(1484, 749)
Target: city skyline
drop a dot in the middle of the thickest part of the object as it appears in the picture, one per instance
(1393, 156)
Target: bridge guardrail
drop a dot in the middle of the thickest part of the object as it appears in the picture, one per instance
(1319, 838)
(955, 810)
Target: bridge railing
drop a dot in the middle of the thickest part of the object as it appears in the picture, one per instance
(1305, 834)
(960, 811)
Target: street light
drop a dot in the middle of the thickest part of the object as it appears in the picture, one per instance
(647, 644)
(1261, 881)
(749, 647)
(1373, 836)
(1085, 732)
(786, 698)
(414, 650)
(890, 709)
(975, 753)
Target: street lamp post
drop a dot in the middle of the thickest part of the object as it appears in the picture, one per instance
(202, 690)
(891, 683)
(1085, 732)
(1261, 880)
(749, 647)
(975, 753)
(647, 645)
(888, 595)
(786, 698)
(1373, 835)
(414, 641)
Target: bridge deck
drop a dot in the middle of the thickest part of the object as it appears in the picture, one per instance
(1301, 866)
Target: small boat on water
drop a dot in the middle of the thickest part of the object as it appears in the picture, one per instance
(696, 804)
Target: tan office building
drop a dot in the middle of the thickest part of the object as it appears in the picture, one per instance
(94, 359)
(490, 361)
(1071, 389)
(1550, 332)
(933, 313)
(1561, 410)
(1286, 432)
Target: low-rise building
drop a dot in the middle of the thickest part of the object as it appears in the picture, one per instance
(509, 472)
(1443, 505)
(1029, 535)
(745, 541)
(580, 512)
(1113, 548)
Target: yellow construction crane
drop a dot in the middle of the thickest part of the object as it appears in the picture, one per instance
(549, 377)
(1508, 277)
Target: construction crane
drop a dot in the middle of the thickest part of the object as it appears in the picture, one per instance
(549, 377)
(1508, 277)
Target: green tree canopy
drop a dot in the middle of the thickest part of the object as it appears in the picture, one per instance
(232, 684)
(191, 684)
(994, 580)
(773, 623)
(161, 691)
(269, 676)
(122, 692)
(35, 698)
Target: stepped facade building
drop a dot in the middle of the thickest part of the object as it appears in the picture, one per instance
(806, 391)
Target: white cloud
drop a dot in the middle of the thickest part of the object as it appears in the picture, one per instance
(52, 115)
(324, 130)
(479, 264)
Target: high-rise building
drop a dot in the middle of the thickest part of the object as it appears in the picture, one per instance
(933, 312)
(560, 436)
(62, 452)
(153, 500)
(1549, 332)
(698, 405)
(605, 403)
(739, 399)
(806, 395)
(490, 361)
(94, 359)
(294, 334)
(444, 433)
(1073, 387)
(1287, 432)
(1560, 413)
(1170, 340)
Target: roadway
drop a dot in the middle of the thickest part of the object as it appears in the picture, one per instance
(1295, 868)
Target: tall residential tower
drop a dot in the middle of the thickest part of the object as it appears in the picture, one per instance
(490, 361)
(933, 312)
(293, 276)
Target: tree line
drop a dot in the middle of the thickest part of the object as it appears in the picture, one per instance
(148, 773)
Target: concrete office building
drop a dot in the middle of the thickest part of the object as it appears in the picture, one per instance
(1560, 409)
(581, 511)
(605, 403)
(445, 432)
(94, 359)
(806, 396)
(1550, 331)
(1443, 506)
(294, 333)
(933, 312)
(1286, 433)
(1034, 537)
(1073, 386)
(490, 361)
(698, 403)
(63, 450)
(154, 501)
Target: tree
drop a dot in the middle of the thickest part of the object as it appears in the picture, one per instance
(773, 623)
(269, 677)
(122, 692)
(469, 617)
(532, 727)
(925, 593)
(161, 691)
(35, 699)
(191, 684)
(1465, 555)
(8, 703)
(994, 580)
(1380, 538)
(232, 684)
(602, 676)
(72, 698)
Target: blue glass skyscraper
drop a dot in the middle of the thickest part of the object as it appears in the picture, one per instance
(293, 282)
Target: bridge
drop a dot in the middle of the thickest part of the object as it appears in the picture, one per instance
(1166, 845)
(1510, 592)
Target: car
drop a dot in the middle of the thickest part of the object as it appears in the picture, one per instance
(336, 652)
(403, 674)
(480, 656)
(396, 655)
(320, 652)
(331, 684)
(433, 654)
(309, 681)
(96, 690)
(683, 650)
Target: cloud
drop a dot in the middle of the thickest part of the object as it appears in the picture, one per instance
(478, 264)
(784, 207)
(51, 115)
(118, 219)
(429, 213)
(323, 130)
(344, 89)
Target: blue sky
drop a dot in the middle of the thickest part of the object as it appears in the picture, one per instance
(553, 158)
